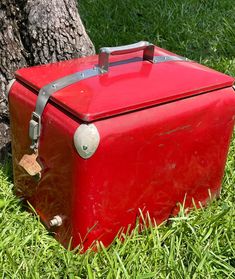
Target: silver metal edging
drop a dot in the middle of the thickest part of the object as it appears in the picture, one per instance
(46, 92)
(160, 59)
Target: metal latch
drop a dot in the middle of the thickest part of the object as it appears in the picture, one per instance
(34, 129)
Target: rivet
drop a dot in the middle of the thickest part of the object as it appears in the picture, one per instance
(84, 147)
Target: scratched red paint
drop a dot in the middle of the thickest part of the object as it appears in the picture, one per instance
(164, 132)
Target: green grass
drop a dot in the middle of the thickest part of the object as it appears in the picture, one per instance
(197, 29)
(198, 245)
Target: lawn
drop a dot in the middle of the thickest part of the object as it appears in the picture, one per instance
(198, 245)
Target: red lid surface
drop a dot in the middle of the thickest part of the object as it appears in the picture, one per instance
(127, 86)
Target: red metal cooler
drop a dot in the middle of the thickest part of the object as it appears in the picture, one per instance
(96, 139)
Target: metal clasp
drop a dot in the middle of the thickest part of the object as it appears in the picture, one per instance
(34, 129)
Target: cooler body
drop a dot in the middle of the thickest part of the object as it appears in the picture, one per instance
(150, 159)
(155, 147)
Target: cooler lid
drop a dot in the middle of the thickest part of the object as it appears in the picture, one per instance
(132, 81)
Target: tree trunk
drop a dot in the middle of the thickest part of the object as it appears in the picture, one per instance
(36, 32)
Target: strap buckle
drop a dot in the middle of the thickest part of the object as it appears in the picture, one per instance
(34, 129)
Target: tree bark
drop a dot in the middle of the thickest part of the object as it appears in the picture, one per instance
(36, 32)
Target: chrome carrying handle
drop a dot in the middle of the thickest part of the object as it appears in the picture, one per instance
(148, 53)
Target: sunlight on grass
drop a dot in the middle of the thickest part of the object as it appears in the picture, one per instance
(200, 30)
